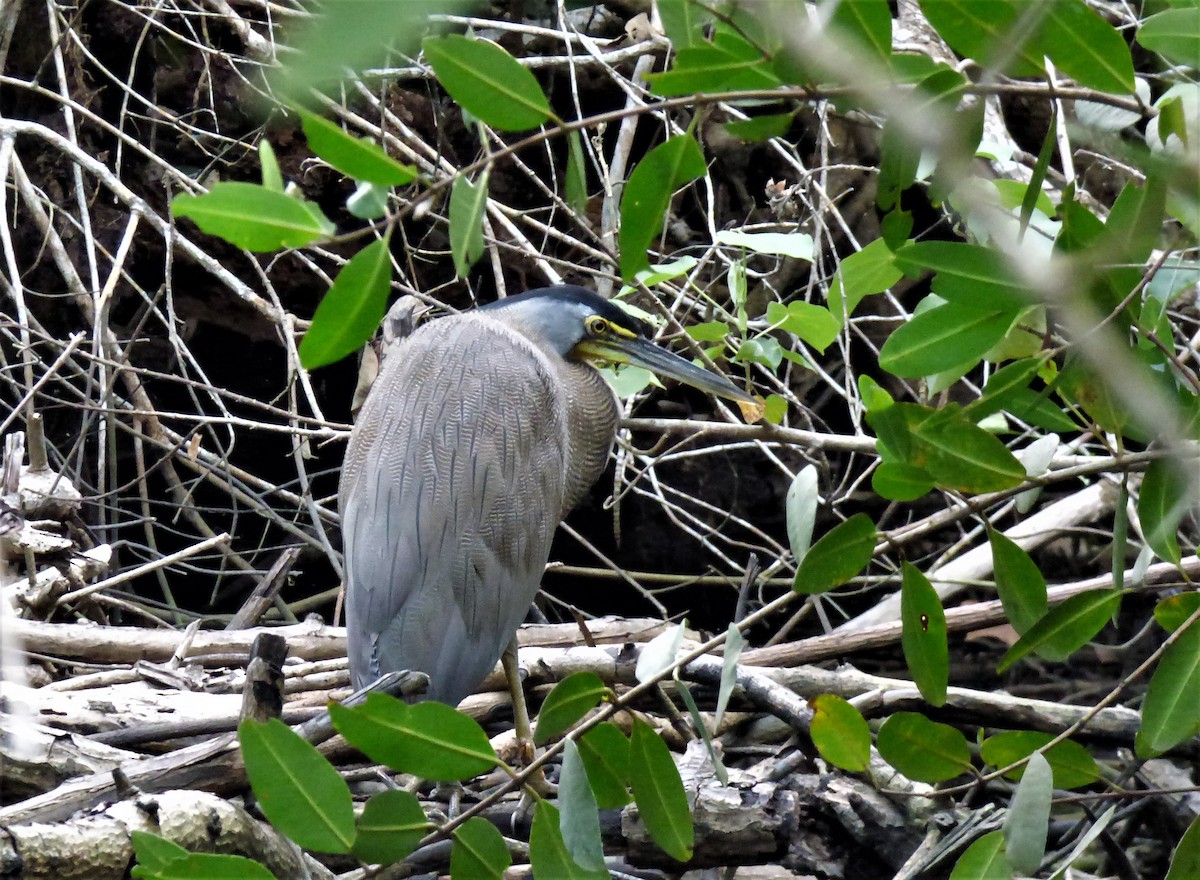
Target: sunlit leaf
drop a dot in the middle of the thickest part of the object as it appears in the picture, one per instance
(862, 274)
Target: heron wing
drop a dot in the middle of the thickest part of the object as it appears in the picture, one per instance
(452, 488)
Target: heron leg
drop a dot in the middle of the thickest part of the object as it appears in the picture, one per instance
(512, 673)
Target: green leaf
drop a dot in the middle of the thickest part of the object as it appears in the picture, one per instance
(1174, 34)
(666, 168)
(774, 409)
(984, 30)
(764, 350)
(272, 179)
(897, 481)
(943, 337)
(840, 733)
(479, 851)
(548, 853)
(353, 156)
(1019, 582)
(571, 699)
(1185, 861)
(1072, 764)
(1086, 47)
(1171, 711)
(336, 39)
(208, 866)
(709, 331)
(368, 201)
(798, 245)
(153, 852)
(1001, 386)
(297, 788)
(800, 507)
(1173, 611)
(735, 642)
(391, 826)
(959, 454)
(1161, 506)
(761, 128)
(605, 753)
(253, 217)
(658, 792)
(812, 323)
(923, 635)
(898, 163)
(489, 83)
(684, 21)
(921, 749)
(862, 274)
(468, 205)
(1066, 628)
(839, 555)
(1028, 821)
(967, 274)
(429, 740)
(874, 396)
(868, 24)
(352, 309)
(580, 821)
(1135, 221)
(576, 184)
(727, 64)
(984, 860)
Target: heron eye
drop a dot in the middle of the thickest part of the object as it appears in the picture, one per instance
(596, 326)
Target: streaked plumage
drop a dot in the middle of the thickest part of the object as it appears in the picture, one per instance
(480, 433)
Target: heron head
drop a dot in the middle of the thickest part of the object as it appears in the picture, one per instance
(581, 325)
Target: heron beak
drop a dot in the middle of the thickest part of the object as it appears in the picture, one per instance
(645, 354)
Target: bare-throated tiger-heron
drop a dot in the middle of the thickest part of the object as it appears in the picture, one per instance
(481, 431)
